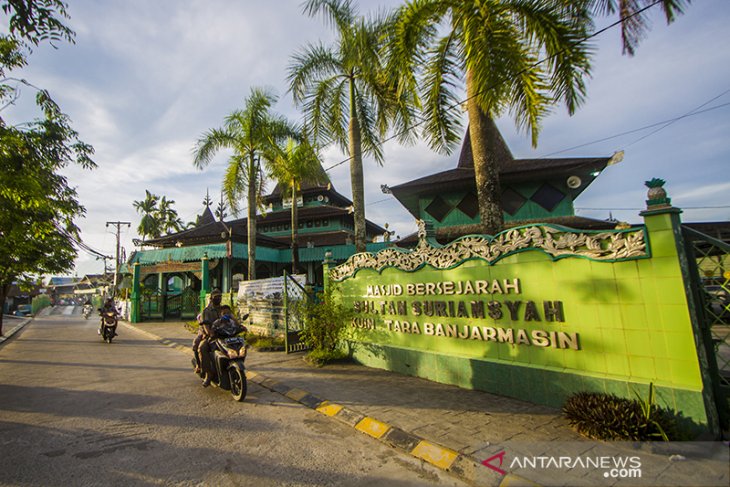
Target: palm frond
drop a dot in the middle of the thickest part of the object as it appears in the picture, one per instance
(235, 182)
(635, 24)
(367, 117)
(339, 13)
(209, 144)
(443, 124)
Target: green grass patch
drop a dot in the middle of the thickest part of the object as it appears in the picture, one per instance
(320, 358)
(265, 342)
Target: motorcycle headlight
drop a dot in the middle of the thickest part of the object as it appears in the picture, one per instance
(232, 354)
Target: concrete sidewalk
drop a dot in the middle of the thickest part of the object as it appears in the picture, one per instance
(452, 428)
(12, 325)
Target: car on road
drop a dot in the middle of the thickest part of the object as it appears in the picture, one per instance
(23, 310)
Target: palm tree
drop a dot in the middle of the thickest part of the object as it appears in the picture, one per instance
(149, 225)
(248, 133)
(635, 25)
(347, 96)
(167, 217)
(290, 167)
(491, 47)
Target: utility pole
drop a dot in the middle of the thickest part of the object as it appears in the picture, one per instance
(116, 269)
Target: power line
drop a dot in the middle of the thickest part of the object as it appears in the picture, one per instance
(678, 118)
(479, 92)
(628, 132)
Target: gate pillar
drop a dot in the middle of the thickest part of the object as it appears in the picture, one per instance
(205, 281)
(665, 227)
(134, 312)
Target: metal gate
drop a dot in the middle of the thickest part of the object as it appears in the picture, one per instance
(709, 263)
(151, 306)
(183, 305)
(293, 293)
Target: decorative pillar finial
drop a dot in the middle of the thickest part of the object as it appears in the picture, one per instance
(657, 194)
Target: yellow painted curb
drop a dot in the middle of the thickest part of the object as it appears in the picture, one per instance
(434, 454)
(517, 481)
(372, 427)
(329, 408)
(296, 394)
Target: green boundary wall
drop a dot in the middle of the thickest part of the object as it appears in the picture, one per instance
(621, 324)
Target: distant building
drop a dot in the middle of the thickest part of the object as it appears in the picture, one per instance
(171, 272)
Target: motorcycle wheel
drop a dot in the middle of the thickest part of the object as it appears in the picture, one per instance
(108, 335)
(238, 384)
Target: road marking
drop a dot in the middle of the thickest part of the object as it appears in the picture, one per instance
(372, 427)
(436, 455)
(329, 408)
(296, 394)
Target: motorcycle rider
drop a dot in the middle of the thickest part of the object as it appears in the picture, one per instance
(211, 314)
(109, 307)
(87, 308)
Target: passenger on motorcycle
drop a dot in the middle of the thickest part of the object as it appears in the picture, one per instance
(109, 307)
(227, 325)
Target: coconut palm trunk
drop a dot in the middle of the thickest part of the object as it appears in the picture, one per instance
(251, 227)
(486, 154)
(356, 174)
(294, 228)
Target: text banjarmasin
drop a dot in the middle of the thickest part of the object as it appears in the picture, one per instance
(421, 317)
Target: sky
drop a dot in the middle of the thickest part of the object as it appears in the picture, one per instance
(145, 79)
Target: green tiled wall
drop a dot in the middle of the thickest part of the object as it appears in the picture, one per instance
(632, 319)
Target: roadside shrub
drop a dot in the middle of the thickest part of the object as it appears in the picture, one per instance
(324, 321)
(609, 417)
(39, 302)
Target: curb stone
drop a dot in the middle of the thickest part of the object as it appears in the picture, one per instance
(14, 330)
(461, 466)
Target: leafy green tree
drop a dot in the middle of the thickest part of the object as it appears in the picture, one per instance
(37, 230)
(636, 23)
(347, 95)
(149, 225)
(493, 46)
(290, 166)
(248, 133)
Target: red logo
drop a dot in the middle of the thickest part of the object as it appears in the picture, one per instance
(487, 463)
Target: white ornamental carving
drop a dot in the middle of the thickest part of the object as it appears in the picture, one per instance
(558, 242)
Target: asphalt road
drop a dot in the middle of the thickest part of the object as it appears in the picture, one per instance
(77, 411)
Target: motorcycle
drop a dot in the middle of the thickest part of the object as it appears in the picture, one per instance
(228, 353)
(87, 311)
(108, 325)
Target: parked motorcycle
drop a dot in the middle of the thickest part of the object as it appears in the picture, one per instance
(86, 311)
(108, 325)
(228, 353)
